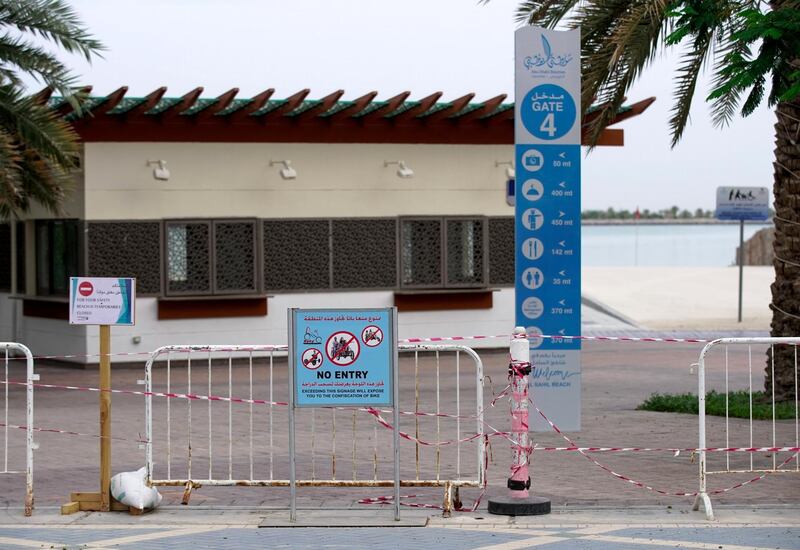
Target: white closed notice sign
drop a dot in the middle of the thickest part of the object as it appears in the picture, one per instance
(102, 301)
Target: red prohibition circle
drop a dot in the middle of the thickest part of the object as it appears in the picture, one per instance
(85, 288)
(312, 360)
(349, 338)
(375, 336)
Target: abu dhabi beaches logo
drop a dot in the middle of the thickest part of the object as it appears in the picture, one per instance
(533, 62)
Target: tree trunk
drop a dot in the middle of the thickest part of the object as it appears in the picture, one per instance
(786, 288)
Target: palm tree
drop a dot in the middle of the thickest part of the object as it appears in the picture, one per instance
(38, 148)
(754, 50)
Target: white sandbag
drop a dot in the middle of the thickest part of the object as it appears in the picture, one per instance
(130, 489)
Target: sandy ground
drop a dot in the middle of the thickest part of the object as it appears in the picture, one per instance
(679, 298)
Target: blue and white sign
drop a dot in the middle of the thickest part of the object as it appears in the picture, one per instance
(102, 301)
(742, 203)
(343, 357)
(548, 231)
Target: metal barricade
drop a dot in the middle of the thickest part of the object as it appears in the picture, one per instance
(240, 438)
(742, 365)
(10, 425)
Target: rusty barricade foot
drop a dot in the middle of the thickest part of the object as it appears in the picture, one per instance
(447, 505)
(457, 504)
(187, 492)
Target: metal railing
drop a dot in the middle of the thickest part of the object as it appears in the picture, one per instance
(240, 436)
(10, 426)
(738, 369)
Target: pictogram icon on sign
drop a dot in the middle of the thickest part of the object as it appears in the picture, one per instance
(312, 358)
(533, 190)
(372, 336)
(342, 348)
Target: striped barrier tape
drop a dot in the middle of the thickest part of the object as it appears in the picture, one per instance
(428, 340)
(67, 432)
(643, 485)
(377, 414)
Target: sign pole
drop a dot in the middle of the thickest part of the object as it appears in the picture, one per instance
(395, 432)
(741, 265)
(101, 301)
(548, 216)
(292, 470)
(742, 203)
(105, 418)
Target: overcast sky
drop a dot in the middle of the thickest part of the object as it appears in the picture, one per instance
(453, 46)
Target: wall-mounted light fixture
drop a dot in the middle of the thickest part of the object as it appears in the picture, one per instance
(510, 173)
(287, 172)
(160, 172)
(403, 171)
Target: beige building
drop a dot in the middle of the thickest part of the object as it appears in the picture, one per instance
(228, 211)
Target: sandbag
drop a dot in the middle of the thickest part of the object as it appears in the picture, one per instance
(130, 489)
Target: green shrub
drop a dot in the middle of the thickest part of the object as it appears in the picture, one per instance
(738, 405)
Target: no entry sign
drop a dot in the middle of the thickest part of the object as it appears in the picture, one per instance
(342, 357)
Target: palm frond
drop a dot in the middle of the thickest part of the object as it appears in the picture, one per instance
(725, 104)
(35, 61)
(53, 20)
(44, 182)
(38, 128)
(618, 56)
(10, 175)
(689, 70)
(546, 13)
(754, 97)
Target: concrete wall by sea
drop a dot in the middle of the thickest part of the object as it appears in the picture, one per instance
(333, 180)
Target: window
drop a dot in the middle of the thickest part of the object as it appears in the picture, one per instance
(5, 257)
(21, 258)
(211, 257)
(296, 255)
(364, 253)
(421, 252)
(442, 252)
(501, 251)
(126, 249)
(465, 246)
(56, 256)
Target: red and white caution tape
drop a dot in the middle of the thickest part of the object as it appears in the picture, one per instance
(675, 451)
(557, 337)
(376, 412)
(171, 395)
(67, 432)
(433, 340)
(648, 487)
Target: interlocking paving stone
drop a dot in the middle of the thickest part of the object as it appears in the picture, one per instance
(407, 538)
(70, 535)
(769, 537)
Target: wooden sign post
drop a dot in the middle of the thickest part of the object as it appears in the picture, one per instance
(105, 418)
(103, 302)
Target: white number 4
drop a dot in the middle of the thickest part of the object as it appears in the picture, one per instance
(548, 125)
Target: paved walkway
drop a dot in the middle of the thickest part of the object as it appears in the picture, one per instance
(617, 376)
(633, 528)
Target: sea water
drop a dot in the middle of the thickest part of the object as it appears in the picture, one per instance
(679, 245)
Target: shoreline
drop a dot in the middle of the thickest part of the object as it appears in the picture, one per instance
(698, 221)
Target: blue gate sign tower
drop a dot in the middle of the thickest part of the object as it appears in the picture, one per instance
(548, 208)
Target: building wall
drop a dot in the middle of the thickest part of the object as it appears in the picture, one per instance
(216, 180)
(272, 329)
(333, 180)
